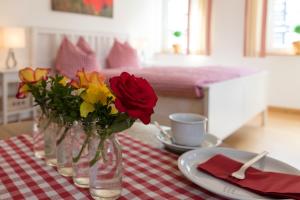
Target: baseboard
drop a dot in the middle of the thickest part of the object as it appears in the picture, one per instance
(284, 110)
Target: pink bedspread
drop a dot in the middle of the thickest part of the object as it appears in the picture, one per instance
(183, 81)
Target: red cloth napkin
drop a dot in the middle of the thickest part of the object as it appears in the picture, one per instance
(271, 184)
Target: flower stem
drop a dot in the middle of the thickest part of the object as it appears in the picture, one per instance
(47, 125)
(99, 152)
(62, 137)
(81, 150)
(58, 131)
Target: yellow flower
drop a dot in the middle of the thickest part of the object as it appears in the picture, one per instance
(86, 108)
(96, 91)
(93, 94)
(113, 109)
(64, 81)
(106, 93)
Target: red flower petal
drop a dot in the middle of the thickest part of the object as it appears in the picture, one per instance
(21, 94)
(134, 95)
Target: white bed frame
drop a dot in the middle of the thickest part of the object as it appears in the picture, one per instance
(227, 104)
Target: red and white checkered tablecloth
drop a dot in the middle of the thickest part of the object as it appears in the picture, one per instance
(149, 173)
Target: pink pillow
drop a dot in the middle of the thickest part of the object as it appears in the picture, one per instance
(71, 58)
(84, 46)
(122, 55)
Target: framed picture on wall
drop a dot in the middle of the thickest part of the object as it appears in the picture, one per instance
(102, 8)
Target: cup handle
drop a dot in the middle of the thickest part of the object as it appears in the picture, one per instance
(206, 125)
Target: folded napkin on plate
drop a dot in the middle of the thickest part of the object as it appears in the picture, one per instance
(276, 185)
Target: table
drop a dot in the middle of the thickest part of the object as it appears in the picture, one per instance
(138, 131)
(149, 173)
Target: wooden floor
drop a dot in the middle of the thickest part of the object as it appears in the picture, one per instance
(13, 129)
(281, 136)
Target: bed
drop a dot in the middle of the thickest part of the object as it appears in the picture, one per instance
(228, 103)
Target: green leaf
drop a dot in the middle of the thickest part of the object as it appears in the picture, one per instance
(177, 33)
(121, 123)
(297, 29)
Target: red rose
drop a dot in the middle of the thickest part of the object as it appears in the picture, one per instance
(134, 95)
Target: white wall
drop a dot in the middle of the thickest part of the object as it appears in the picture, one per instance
(136, 17)
(227, 49)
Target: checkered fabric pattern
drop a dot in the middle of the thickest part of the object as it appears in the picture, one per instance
(149, 173)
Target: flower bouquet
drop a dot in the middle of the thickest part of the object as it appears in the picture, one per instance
(105, 111)
(53, 95)
(94, 110)
(35, 82)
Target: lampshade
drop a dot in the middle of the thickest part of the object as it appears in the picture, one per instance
(12, 37)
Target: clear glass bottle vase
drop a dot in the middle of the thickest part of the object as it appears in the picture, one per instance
(40, 125)
(105, 167)
(64, 150)
(80, 158)
(50, 140)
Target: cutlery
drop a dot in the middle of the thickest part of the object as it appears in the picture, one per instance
(163, 132)
(240, 174)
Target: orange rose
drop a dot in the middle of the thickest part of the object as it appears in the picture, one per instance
(30, 76)
(87, 78)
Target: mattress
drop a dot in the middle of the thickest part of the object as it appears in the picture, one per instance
(183, 81)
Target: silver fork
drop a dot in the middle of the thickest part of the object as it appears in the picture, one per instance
(240, 174)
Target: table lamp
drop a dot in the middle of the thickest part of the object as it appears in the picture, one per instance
(12, 38)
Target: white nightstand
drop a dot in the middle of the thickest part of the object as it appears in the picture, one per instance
(8, 76)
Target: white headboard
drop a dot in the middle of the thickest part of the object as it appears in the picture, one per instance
(46, 41)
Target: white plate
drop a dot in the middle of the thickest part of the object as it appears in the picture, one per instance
(189, 161)
(209, 141)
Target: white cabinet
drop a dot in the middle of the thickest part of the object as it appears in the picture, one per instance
(10, 106)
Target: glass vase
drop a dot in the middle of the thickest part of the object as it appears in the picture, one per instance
(64, 150)
(80, 142)
(105, 167)
(50, 141)
(40, 125)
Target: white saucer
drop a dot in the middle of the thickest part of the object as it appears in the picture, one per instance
(209, 141)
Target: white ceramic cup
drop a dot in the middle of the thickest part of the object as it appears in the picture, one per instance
(188, 129)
